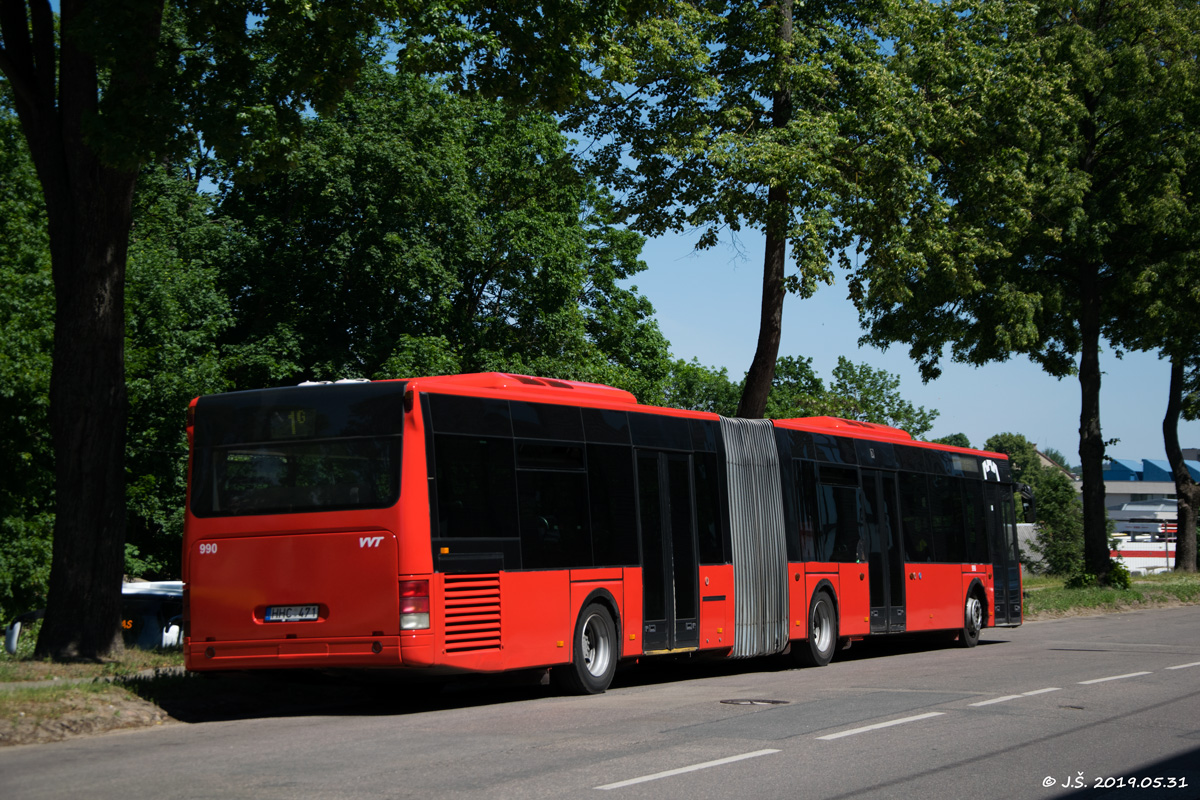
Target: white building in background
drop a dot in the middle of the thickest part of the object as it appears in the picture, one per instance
(1140, 498)
(1140, 495)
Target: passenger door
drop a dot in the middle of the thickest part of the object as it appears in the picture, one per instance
(670, 618)
(885, 562)
(1006, 565)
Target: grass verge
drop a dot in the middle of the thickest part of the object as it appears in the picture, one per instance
(1047, 597)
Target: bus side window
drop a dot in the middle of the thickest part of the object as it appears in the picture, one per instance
(948, 517)
(839, 538)
(552, 504)
(476, 486)
(612, 506)
(976, 530)
(708, 516)
(914, 517)
(807, 519)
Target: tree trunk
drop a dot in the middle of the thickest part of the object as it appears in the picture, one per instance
(1091, 444)
(761, 375)
(89, 212)
(770, 324)
(1187, 491)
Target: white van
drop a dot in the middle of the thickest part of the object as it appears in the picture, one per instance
(151, 616)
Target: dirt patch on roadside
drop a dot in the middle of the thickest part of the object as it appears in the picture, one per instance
(69, 713)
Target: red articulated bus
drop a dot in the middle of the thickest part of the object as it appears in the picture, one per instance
(491, 522)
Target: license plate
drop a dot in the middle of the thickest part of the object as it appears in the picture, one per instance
(291, 613)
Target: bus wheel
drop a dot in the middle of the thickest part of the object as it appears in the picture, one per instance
(972, 621)
(822, 633)
(595, 660)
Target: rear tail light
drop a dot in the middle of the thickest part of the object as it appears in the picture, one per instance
(414, 605)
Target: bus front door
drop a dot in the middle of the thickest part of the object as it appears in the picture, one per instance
(670, 586)
(1006, 565)
(885, 562)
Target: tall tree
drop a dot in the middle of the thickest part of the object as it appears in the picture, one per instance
(717, 115)
(420, 230)
(27, 319)
(98, 87)
(1043, 136)
(125, 80)
(1059, 537)
(175, 314)
(857, 391)
(1183, 401)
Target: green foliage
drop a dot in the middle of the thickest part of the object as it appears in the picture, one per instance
(424, 232)
(1022, 455)
(856, 392)
(709, 117)
(1059, 538)
(873, 395)
(1118, 575)
(175, 314)
(1057, 457)
(699, 388)
(954, 440)
(1044, 139)
(689, 125)
(1040, 175)
(1047, 595)
(27, 319)
(797, 391)
(1080, 579)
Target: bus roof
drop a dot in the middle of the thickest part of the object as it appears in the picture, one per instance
(534, 388)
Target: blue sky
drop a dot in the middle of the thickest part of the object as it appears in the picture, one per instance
(707, 306)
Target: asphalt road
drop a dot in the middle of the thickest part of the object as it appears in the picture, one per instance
(1084, 701)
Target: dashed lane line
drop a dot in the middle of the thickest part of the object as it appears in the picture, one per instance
(681, 770)
(1008, 697)
(1113, 678)
(879, 725)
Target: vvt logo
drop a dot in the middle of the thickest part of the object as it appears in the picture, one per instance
(369, 541)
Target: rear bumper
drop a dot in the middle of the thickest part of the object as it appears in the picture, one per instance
(359, 651)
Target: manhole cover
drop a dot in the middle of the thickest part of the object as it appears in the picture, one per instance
(755, 702)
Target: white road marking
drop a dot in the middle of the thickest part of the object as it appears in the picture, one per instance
(1008, 697)
(1113, 678)
(682, 770)
(879, 725)
(1185, 666)
(1004, 699)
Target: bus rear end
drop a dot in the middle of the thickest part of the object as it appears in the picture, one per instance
(294, 530)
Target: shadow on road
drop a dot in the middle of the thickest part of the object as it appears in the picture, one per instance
(284, 693)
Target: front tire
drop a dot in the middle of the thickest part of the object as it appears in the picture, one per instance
(818, 648)
(594, 660)
(973, 620)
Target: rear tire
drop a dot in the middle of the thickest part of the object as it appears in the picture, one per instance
(973, 621)
(818, 648)
(595, 656)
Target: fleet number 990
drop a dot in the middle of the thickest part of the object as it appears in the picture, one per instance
(207, 549)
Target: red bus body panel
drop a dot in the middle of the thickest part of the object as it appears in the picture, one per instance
(351, 563)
